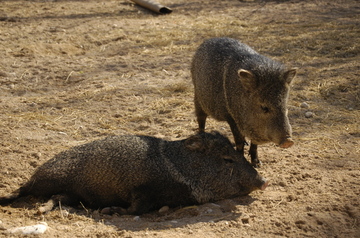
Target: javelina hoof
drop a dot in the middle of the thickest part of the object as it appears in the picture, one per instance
(256, 164)
(113, 210)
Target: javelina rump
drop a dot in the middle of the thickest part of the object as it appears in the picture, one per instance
(234, 83)
(141, 173)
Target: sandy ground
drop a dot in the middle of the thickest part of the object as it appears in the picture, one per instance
(75, 71)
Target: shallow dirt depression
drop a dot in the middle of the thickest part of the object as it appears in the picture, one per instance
(75, 71)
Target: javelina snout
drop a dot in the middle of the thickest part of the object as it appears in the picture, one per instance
(277, 131)
(288, 142)
(142, 173)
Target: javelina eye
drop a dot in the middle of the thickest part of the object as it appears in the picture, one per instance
(228, 161)
(265, 109)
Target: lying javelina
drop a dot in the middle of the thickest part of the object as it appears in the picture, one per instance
(142, 173)
(236, 84)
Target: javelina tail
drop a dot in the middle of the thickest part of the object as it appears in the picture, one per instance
(21, 192)
(8, 199)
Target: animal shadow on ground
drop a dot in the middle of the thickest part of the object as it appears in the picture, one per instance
(226, 210)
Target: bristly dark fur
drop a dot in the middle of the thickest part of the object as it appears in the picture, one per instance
(142, 173)
(236, 84)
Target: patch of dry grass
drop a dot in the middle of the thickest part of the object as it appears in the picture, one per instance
(97, 69)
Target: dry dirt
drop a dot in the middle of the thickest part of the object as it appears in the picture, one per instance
(75, 71)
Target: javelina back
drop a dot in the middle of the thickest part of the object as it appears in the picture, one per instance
(141, 173)
(234, 83)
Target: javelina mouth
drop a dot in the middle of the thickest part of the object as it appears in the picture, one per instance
(287, 143)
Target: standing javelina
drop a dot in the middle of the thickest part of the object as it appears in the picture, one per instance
(234, 83)
(140, 173)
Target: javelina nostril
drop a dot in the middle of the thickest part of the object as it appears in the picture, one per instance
(287, 143)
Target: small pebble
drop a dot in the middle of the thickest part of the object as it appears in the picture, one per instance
(282, 183)
(36, 155)
(2, 226)
(245, 219)
(304, 105)
(309, 114)
(137, 218)
(64, 213)
(209, 210)
(164, 209)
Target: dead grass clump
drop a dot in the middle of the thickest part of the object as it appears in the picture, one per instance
(95, 69)
(341, 92)
(41, 119)
(177, 88)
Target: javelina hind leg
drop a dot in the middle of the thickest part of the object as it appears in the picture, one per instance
(254, 156)
(200, 116)
(142, 200)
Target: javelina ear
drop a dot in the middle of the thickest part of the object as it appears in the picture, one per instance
(290, 75)
(247, 79)
(195, 143)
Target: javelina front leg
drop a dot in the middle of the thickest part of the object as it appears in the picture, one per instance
(240, 142)
(254, 156)
(54, 201)
(238, 137)
(113, 210)
(142, 200)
